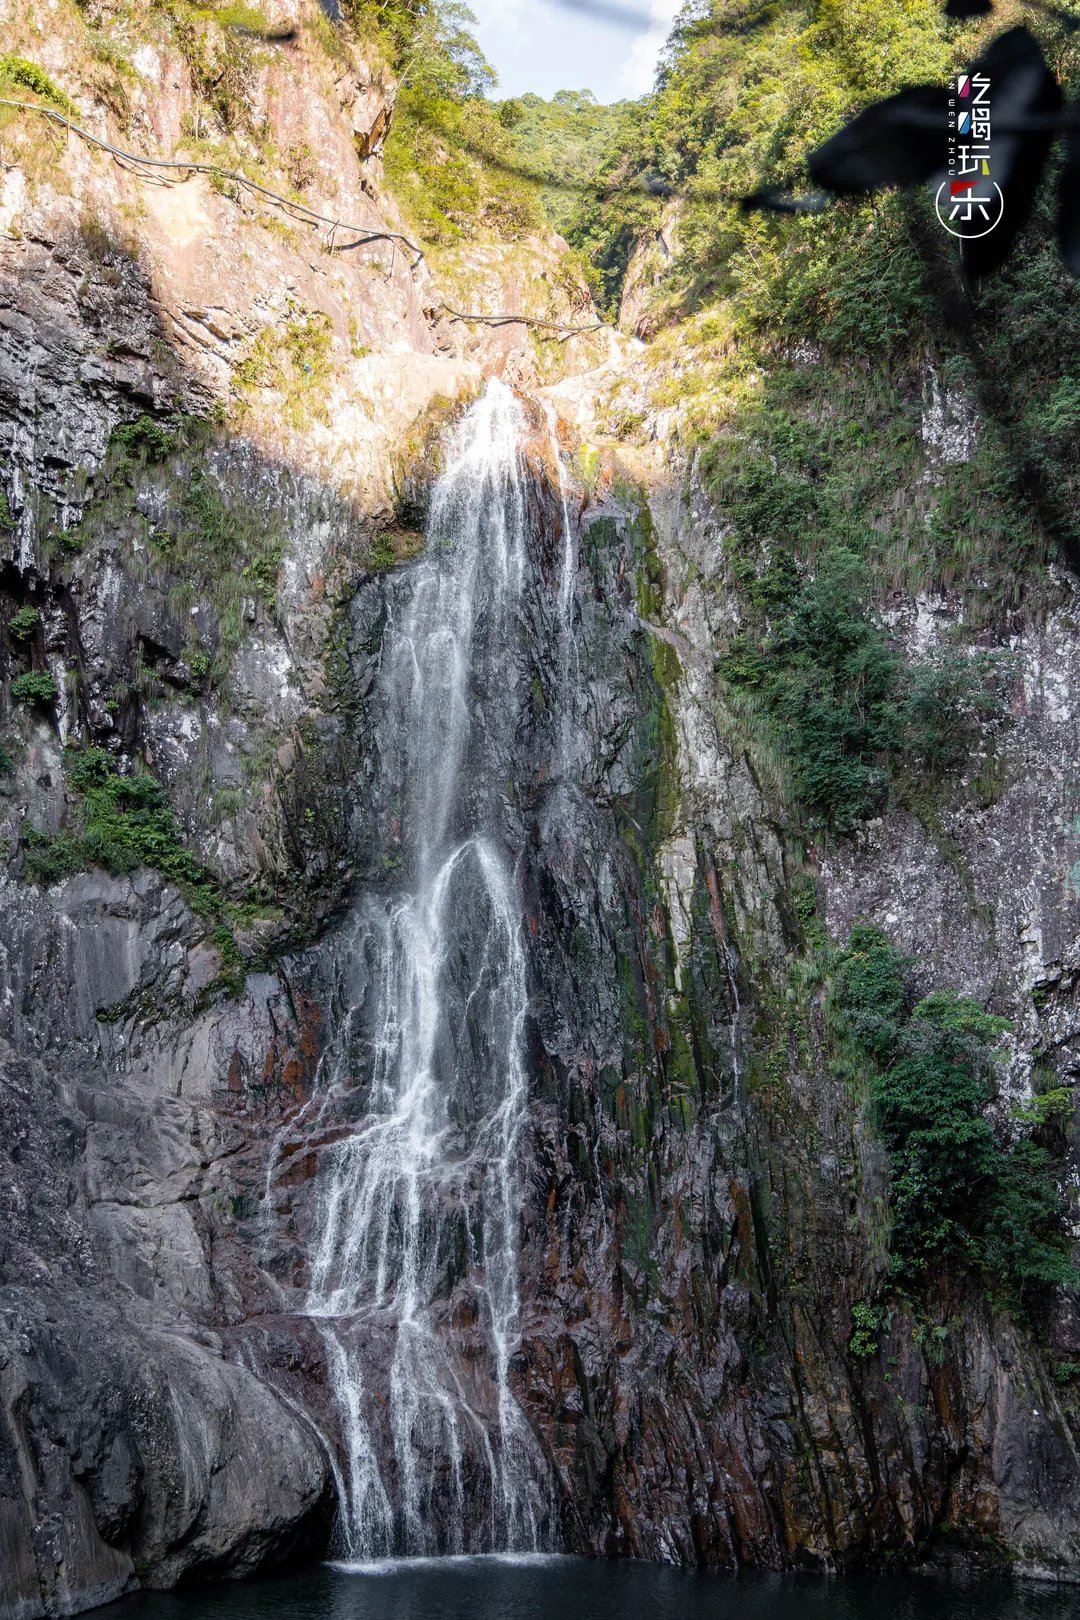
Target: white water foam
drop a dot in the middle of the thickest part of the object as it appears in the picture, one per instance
(427, 1067)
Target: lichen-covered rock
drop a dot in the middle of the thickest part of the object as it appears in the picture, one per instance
(152, 1458)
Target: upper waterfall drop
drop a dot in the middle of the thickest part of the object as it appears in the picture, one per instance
(423, 1089)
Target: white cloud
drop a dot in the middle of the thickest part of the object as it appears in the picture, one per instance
(639, 70)
(547, 47)
(505, 31)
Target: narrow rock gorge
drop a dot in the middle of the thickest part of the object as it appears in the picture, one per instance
(436, 1107)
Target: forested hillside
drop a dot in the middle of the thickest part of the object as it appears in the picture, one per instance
(568, 143)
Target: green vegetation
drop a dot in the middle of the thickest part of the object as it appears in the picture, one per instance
(827, 677)
(867, 1322)
(961, 1194)
(446, 142)
(218, 545)
(143, 440)
(16, 71)
(7, 522)
(210, 546)
(212, 529)
(566, 142)
(744, 93)
(242, 17)
(392, 547)
(844, 707)
(221, 58)
(1028, 345)
(23, 623)
(806, 485)
(34, 689)
(828, 321)
(621, 206)
(295, 358)
(803, 356)
(123, 821)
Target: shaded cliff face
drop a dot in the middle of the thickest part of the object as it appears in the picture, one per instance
(701, 1200)
(718, 1205)
(180, 596)
(692, 1239)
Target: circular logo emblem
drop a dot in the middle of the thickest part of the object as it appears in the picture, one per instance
(971, 211)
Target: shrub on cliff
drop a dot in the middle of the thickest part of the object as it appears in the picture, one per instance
(144, 439)
(123, 822)
(960, 1193)
(849, 714)
(127, 821)
(16, 72)
(23, 623)
(34, 689)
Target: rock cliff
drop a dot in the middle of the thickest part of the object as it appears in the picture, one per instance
(218, 422)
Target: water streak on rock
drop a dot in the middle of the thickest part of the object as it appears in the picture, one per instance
(420, 1197)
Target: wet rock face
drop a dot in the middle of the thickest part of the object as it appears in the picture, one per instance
(153, 1458)
(702, 1202)
(709, 1213)
(694, 1229)
(132, 1449)
(689, 1253)
(699, 1219)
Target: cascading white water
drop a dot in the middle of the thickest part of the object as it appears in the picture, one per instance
(420, 1194)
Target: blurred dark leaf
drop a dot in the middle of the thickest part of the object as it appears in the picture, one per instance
(960, 10)
(610, 11)
(903, 140)
(1022, 88)
(269, 36)
(1068, 218)
(896, 142)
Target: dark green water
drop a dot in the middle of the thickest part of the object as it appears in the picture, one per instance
(571, 1589)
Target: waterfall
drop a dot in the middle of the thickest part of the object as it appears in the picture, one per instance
(422, 1090)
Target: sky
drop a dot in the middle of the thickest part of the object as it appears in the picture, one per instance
(541, 46)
